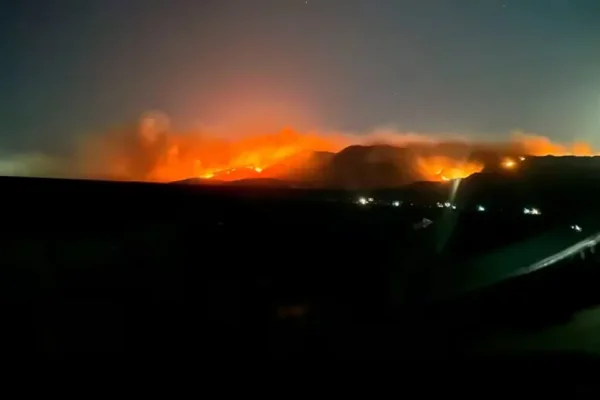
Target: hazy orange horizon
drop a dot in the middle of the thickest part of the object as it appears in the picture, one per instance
(153, 152)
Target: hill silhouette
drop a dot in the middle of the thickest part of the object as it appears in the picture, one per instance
(382, 167)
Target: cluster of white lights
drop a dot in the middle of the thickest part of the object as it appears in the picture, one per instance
(576, 228)
(446, 205)
(532, 211)
(369, 200)
(365, 200)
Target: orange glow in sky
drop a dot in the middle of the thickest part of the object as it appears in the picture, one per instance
(157, 154)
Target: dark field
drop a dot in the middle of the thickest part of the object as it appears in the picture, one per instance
(168, 270)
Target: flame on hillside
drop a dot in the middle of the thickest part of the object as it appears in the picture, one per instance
(233, 160)
(153, 152)
(444, 168)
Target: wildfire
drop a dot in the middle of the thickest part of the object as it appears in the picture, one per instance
(232, 174)
(508, 163)
(153, 152)
(535, 145)
(443, 168)
(250, 157)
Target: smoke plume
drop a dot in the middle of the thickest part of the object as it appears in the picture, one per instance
(150, 150)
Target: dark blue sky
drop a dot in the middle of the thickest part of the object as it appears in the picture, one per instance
(469, 66)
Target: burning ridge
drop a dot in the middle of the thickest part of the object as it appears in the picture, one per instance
(151, 151)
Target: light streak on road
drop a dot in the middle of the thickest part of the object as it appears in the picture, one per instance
(577, 248)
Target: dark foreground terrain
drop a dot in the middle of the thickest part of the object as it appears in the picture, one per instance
(180, 270)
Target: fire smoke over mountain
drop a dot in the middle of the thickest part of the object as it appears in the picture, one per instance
(153, 152)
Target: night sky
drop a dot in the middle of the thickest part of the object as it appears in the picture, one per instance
(481, 67)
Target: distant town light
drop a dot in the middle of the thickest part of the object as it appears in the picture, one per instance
(371, 199)
(480, 208)
(576, 228)
(532, 211)
(362, 201)
(396, 203)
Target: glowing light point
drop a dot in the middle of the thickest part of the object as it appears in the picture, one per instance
(532, 211)
(480, 208)
(396, 203)
(362, 201)
(576, 228)
(508, 163)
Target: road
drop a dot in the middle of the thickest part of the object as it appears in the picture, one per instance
(520, 258)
